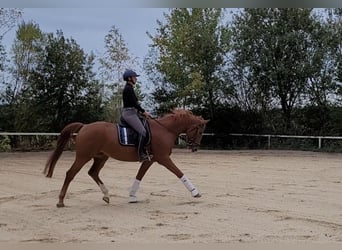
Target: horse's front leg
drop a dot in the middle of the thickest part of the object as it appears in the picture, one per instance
(136, 184)
(187, 183)
(167, 162)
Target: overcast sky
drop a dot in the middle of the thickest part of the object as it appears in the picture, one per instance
(89, 26)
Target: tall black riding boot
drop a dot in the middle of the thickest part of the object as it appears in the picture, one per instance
(143, 156)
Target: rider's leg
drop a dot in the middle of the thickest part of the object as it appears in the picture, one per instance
(143, 156)
(131, 117)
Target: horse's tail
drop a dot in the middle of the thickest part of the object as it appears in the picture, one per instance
(63, 139)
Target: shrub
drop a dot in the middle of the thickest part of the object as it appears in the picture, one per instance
(5, 143)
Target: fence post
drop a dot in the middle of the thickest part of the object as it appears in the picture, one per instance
(319, 142)
(269, 141)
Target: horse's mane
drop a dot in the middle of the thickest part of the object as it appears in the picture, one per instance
(182, 112)
(179, 114)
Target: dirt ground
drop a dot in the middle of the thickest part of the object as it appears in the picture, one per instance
(247, 196)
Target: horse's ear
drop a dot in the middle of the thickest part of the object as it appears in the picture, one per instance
(206, 121)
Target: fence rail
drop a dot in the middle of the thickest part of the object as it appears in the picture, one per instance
(21, 133)
(319, 138)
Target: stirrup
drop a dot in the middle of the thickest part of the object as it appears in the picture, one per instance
(144, 157)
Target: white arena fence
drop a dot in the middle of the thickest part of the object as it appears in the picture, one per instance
(35, 137)
(269, 137)
(31, 134)
(27, 141)
(40, 140)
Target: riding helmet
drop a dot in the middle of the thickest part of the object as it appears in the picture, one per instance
(129, 73)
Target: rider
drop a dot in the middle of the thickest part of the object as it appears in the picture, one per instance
(131, 108)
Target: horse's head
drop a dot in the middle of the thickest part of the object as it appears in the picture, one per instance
(195, 132)
(184, 121)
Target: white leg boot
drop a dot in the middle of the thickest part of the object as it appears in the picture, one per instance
(187, 183)
(132, 194)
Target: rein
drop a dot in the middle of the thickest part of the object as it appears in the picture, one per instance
(154, 119)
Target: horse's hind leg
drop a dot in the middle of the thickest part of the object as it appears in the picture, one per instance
(70, 174)
(99, 161)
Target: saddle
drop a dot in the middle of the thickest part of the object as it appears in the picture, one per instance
(128, 136)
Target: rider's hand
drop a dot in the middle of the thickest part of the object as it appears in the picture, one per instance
(147, 114)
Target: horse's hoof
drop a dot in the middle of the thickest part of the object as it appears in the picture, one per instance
(197, 195)
(60, 205)
(133, 199)
(106, 199)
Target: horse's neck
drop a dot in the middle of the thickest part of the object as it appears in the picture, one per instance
(174, 125)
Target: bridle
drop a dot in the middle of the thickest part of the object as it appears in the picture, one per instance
(194, 141)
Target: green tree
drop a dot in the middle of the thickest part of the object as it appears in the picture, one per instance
(62, 87)
(163, 95)
(112, 65)
(116, 57)
(188, 54)
(335, 22)
(273, 57)
(321, 83)
(8, 19)
(26, 49)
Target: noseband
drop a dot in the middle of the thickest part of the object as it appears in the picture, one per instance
(192, 142)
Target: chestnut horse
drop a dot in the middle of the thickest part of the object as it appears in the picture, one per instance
(99, 141)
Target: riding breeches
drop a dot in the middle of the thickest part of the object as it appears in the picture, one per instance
(131, 117)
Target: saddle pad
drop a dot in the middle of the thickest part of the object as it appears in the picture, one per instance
(127, 136)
